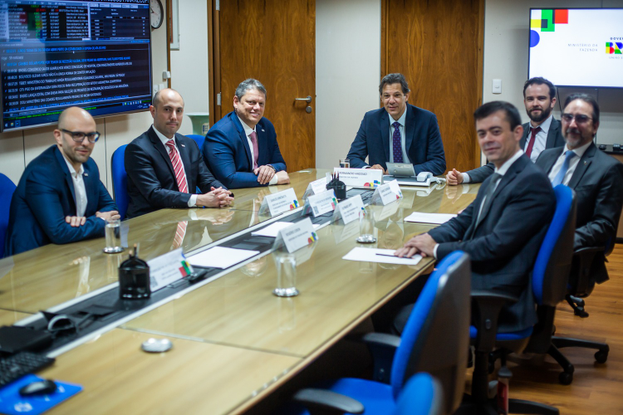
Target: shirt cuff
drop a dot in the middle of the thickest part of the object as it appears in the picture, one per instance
(435, 250)
(274, 180)
(466, 178)
(192, 202)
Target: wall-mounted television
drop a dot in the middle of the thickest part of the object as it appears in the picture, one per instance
(56, 54)
(577, 47)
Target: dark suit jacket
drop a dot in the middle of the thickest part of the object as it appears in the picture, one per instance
(598, 185)
(504, 246)
(423, 141)
(45, 195)
(554, 139)
(226, 151)
(151, 179)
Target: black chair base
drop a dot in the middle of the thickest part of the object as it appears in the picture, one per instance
(566, 376)
(577, 304)
(515, 406)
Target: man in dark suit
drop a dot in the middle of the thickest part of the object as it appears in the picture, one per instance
(60, 198)
(398, 133)
(543, 131)
(164, 168)
(503, 228)
(241, 148)
(596, 177)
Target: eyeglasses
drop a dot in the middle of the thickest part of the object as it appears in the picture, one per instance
(579, 118)
(78, 136)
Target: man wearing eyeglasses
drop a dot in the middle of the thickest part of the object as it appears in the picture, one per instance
(543, 131)
(596, 177)
(60, 198)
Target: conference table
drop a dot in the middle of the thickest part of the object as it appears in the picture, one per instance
(234, 342)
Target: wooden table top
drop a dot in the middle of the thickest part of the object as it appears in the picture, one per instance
(233, 325)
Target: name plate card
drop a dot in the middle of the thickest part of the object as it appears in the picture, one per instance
(349, 209)
(279, 202)
(371, 178)
(297, 235)
(322, 203)
(168, 268)
(316, 187)
(387, 193)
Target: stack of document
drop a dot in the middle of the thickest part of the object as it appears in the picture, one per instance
(422, 217)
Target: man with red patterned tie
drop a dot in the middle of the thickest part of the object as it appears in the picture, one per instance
(542, 132)
(241, 148)
(164, 168)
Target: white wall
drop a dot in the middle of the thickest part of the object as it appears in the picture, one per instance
(506, 58)
(348, 72)
(18, 148)
(189, 64)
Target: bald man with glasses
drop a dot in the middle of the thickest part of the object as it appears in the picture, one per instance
(60, 198)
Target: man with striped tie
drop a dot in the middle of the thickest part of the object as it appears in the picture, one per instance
(164, 168)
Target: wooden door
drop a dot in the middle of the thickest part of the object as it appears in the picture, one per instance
(438, 46)
(273, 41)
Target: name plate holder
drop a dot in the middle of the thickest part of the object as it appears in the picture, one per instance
(362, 178)
(320, 203)
(315, 187)
(277, 203)
(168, 268)
(387, 193)
(348, 210)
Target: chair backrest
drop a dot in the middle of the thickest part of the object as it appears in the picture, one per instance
(422, 395)
(199, 139)
(7, 188)
(436, 337)
(553, 262)
(120, 181)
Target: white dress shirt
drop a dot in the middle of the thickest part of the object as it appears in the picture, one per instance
(79, 189)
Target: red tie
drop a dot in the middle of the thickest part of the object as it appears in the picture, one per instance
(180, 232)
(177, 167)
(256, 151)
(535, 131)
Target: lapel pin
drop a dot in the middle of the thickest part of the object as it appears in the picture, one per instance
(86, 174)
(182, 145)
(263, 130)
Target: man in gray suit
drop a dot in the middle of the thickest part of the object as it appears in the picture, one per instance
(543, 130)
(596, 177)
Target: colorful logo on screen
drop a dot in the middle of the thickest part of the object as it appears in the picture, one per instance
(614, 48)
(312, 238)
(374, 184)
(294, 204)
(546, 21)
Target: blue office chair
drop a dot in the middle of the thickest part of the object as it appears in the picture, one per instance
(120, 180)
(435, 340)
(422, 395)
(549, 284)
(7, 188)
(199, 139)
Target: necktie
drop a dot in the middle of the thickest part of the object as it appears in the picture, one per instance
(396, 143)
(535, 131)
(178, 168)
(256, 150)
(488, 196)
(563, 170)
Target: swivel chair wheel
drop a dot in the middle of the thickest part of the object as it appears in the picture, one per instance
(580, 312)
(565, 378)
(601, 356)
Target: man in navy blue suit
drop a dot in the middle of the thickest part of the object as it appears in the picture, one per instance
(241, 149)
(60, 198)
(502, 230)
(398, 133)
(165, 168)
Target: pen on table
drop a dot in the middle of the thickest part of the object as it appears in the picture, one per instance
(389, 255)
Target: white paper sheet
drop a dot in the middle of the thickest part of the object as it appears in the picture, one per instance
(219, 257)
(422, 217)
(272, 230)
(372, 255)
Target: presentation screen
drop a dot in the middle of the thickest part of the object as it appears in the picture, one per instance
(577, 47)
(56, 54)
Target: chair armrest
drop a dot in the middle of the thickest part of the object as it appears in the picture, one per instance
(487, 306)
(321, 401)
(382, 348)
(580, 280)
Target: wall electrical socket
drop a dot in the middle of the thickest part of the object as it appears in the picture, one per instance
(497, 86)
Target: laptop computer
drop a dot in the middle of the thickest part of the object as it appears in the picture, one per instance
(405, 175)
